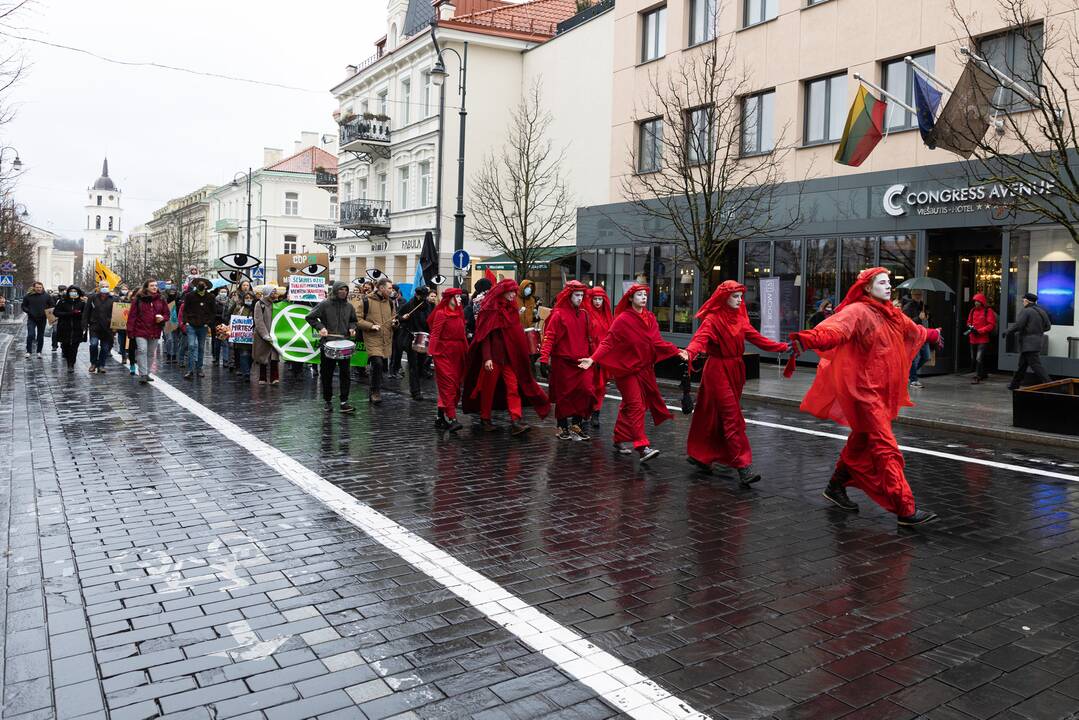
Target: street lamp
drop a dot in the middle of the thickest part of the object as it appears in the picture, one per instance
(235, 184)
(438, 78)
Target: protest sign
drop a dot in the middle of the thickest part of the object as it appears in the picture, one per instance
(303, 264)
(302, 288)
(119, 315)
(242, 330)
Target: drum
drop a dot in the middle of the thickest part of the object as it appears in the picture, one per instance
(533, 335)
(338, 349)
(419, 342)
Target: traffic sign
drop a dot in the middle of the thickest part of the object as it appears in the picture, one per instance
(461, 260)
(258, 273)
(7, 266)
(7, 281)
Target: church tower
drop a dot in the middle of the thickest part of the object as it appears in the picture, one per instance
(104, 229)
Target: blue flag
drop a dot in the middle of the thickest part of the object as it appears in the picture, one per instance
(926, 102)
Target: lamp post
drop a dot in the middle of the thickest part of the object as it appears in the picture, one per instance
(438, 77)
(234, 184)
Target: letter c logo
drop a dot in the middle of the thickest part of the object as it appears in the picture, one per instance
(889, 200)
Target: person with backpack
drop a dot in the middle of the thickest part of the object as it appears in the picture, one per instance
(335, 317)
(377, 326)
(97, 320)
(981, 322)
(1030, 325)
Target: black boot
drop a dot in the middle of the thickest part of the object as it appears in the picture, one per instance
(747, 476)
(595, 419)
(918, 517)
(837, 493)
(440, 421)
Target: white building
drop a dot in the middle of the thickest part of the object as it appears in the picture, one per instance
(54, 257)
(104, 218)
(293, 206)
(395, 181)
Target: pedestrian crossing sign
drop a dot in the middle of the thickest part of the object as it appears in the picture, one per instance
(7, 281)
(258, 273)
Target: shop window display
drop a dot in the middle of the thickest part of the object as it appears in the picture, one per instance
(1045, 262)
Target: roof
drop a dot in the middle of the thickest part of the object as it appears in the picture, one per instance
(532, 19)
(418, 16)
(306, 161)
(105, 182)
(544, 255)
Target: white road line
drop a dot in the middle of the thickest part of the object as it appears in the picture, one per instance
(621, 686)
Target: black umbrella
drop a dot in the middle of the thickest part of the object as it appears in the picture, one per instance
(429, 258)
(685, 384)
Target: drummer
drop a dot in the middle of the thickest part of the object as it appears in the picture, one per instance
(413, 319)
(335, 319)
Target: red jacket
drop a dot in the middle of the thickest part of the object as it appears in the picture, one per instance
(140, 319)
(983, 320)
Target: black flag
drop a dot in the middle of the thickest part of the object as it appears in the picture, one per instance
(429, 258)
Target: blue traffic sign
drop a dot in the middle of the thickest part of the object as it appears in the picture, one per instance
(258, 273)
(7, 281)
(461, 260)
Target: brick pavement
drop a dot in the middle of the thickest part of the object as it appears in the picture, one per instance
(167, 573)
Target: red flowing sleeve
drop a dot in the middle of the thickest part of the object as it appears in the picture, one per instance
(764, 343)
(552, 329)
(663, 348)
(830, 332)
(705, 334)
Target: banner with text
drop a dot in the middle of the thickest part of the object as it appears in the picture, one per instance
(242, 330)
(302, 288)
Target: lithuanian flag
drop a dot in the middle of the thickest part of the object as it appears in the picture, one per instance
(862, 132)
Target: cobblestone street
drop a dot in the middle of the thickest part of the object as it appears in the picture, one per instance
(214, 550)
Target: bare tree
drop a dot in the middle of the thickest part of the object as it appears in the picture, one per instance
(179, 245)
(520, 203)
(16, 244)
(1031, 147)
(700, 176)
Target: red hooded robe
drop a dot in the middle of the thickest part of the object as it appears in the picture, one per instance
(866, 348)
(629, 354)
(448, 346)
(500, 317)
(717, 433)
(568, 337)
(601, 325)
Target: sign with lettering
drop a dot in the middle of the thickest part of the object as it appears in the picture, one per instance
(379, 245)
(325, 233)
(770, 307)
(242, 330)
(303, 288)
(119, 315)
(410, 244)
(309, 264)
(899, 199)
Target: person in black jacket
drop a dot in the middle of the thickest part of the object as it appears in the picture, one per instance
(335, 317)
(69, 329)
(1030, 325)
(473, 307)
(222, 316)
(413, 319)
(97, 319)
(199, 313)
(34, 305)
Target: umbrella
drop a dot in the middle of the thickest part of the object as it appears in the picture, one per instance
(687, 397)
(218, 283)
(926, 283)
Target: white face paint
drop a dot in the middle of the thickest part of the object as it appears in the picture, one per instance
(510, 296)
(576, 298)
(597, 302)
(640, 298)
(735, 299)
(881, 287)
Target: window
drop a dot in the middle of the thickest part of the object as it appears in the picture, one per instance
(650, 145)
(406, 101)
(758, 11)
(383, 106)
(99, 200)
(702, 21)
(361, 189)
(1018, 54)
(290, 245)
(402, 188)
(811, 3)
(653, 32)
(699, 135)
(346, 190)
(758, 116)
(899, 81)
(333, 206)
(428, 91)
(382, 186)
(292, 203)
(826, 109)
(110, 222)
(425, 183)
(97, 223)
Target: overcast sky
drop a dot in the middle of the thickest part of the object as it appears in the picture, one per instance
(168, 133)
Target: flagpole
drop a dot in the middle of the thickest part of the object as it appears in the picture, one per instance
(885, 93)
(910, 61)
(1004, 79)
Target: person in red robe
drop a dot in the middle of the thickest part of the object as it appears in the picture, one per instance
(567, 337)
(448, 346)
(599, 310)
(717, 433)
(498, 371)
(866, 348)
(629, 354)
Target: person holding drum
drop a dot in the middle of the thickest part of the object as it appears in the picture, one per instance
(567, 337)
(412, 319)
(448, 347)
(335, 320)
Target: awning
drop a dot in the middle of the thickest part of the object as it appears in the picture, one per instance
(544, 256)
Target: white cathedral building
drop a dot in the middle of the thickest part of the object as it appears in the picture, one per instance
(104, 227)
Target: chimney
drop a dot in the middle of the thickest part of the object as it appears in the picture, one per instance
(271, 156)
(445, 9)
(308, 139)
(297, 146)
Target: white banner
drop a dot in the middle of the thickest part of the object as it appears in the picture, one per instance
(770, 307)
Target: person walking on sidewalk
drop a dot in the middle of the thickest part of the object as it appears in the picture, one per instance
(199, 312)
(599, 311)
(97, 320)
(222, 316)
(61, 293)
(914, 308)
(567, 337)
(69, 325)
(377, 325)
(981, 322)
(412, 318)
(1030, 325)
(264, 352)
(448, 347)
(147, 317)
(123, 295)
(865, 349)
(242, 351)
(335, 317)
(629, 354)
(34, 304)
(717, 432)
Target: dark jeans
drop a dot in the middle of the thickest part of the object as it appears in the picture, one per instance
(1029, 359)
(196, 345)
(376, 368)
(328, 368)
(35, 333)
(121, 342)
(401, 340)
(71, 351)
(242, 353)
(99, 351)
(920, 359)
(977, 357)
(416, 363)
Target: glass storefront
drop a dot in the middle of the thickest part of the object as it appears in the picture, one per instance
(1044, 261)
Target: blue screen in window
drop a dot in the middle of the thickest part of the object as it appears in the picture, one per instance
(1056, 290)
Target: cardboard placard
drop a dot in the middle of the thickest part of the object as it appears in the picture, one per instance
(302, 264)
(242, 329)
(305, 288)
(50, 316)
(119, 315)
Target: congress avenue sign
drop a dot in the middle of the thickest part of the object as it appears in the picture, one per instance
(898, 200)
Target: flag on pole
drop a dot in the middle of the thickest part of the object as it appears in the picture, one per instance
(965, 117)
(103, 274)
(926, 102)
(429, 258)
(864, 128)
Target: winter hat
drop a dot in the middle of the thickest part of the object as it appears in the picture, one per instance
(1031, 297)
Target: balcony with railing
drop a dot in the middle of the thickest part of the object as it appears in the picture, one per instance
(227, 225)
(365, 135)
(364, 214)
(326, 180)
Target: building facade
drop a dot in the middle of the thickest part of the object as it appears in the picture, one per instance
(54, 257)
(180, 235)
(913, 210)
(104, 218)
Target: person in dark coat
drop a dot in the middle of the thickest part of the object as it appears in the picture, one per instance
(199, 310)
(60, 294)
(222, 316)
(97, 320)
(69, 327)
(412, 319)
(1030, 325)
(472, 308)
(34, 305)
(336, 317)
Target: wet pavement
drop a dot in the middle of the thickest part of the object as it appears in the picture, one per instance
(156, 565)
